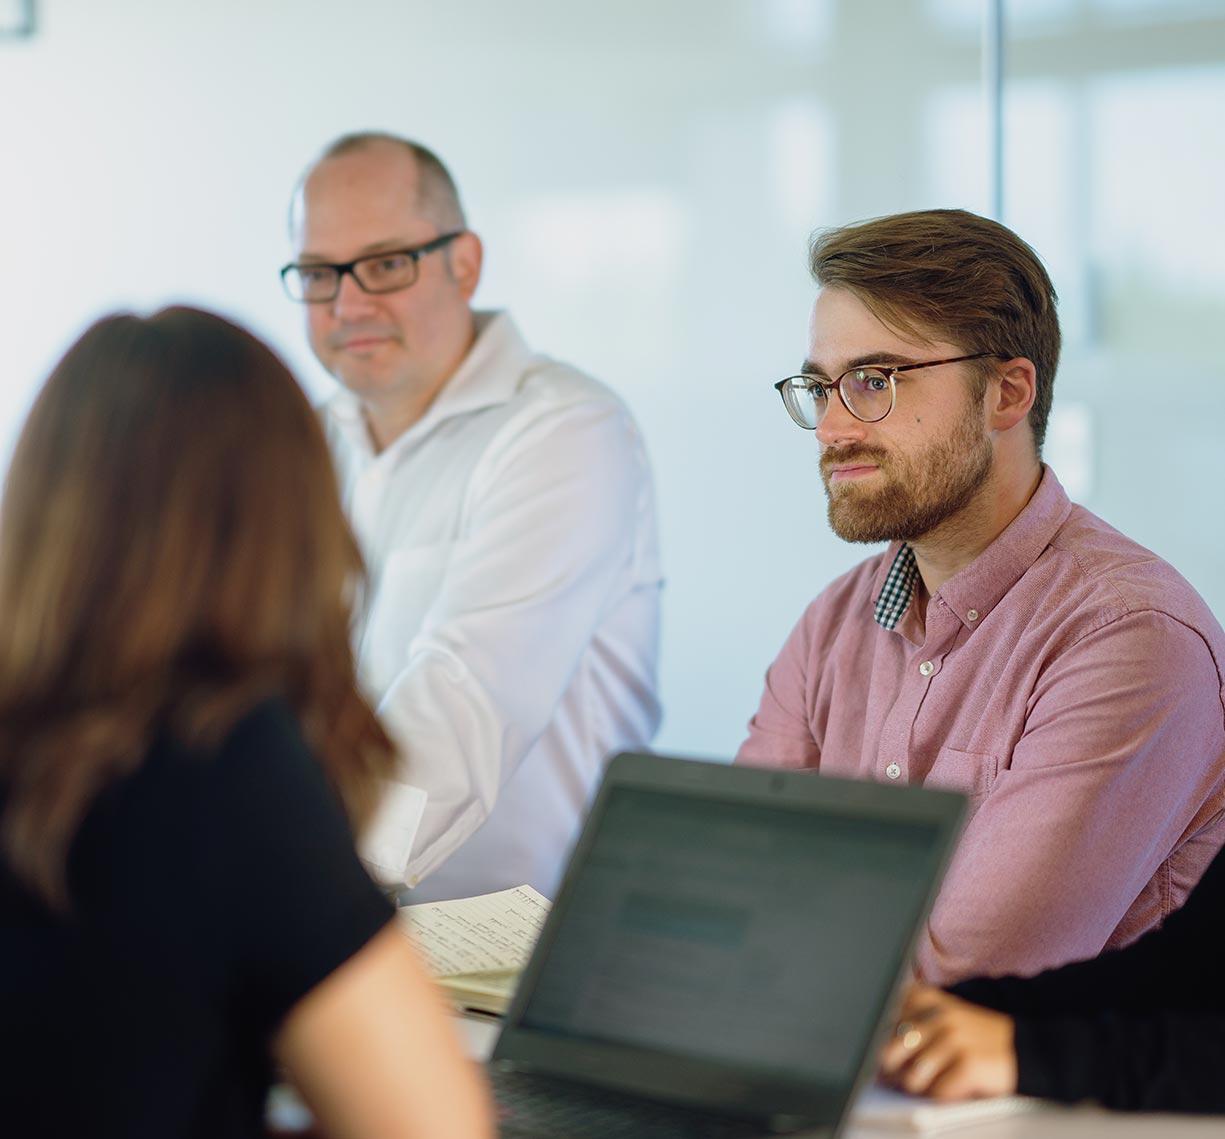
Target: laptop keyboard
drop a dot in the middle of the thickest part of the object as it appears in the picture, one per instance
(541, 1107)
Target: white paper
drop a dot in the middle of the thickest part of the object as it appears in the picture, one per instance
(882, 1109)
(487, 934)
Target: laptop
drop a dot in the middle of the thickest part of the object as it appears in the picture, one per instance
(723, 950)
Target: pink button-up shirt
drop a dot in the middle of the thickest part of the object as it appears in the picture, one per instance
(1070, 683)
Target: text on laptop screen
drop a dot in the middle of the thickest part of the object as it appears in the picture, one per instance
(755, 934)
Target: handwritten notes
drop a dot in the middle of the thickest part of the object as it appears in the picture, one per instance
(492, 933)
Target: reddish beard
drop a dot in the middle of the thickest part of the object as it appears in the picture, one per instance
(913, 494)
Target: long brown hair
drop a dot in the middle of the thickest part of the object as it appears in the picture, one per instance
(172, 550)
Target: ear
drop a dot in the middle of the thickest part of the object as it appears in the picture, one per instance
(1011, 394)
(467, 254)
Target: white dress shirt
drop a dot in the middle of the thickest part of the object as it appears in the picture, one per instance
(510, 634)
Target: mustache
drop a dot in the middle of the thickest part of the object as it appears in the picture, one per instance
(342, 336)
(836, 456)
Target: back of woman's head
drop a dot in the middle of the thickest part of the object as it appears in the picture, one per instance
(172, 548)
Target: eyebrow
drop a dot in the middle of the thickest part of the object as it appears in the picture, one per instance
(393, 243)
(893, 359)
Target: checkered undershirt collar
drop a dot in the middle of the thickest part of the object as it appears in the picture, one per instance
(895, 594)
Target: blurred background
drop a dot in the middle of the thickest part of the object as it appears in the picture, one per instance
(645, 175)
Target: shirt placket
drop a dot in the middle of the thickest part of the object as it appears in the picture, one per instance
(922, 664)
(366, 508)
(366, 504)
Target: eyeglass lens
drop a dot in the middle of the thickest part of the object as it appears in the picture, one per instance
(381, 273)
(865, 391)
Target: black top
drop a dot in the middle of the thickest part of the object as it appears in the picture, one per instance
(1141, 1027)
(210, 892)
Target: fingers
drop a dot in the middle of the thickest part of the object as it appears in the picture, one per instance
(937, 1067)
(900, 1049)
(927, 1066)
(956, 1082)
(968, 1076)
(917, 1026)
(948, 1049)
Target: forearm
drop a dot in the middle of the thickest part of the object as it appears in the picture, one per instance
(1158, 1061)
(374, 1052)
(1134, 974)
(1173, 967)
(454, 744)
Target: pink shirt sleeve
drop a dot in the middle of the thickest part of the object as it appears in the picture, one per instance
(779, 733)
(1118, 763)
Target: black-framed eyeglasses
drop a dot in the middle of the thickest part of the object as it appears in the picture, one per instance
(867, 393)
(316, 282)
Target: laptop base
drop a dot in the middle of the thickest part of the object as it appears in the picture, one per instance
(544, 1107)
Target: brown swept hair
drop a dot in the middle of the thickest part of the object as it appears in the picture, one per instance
(172, 551)
(952, 274)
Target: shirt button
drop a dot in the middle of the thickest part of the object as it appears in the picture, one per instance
(893, 771)
(972, 615)
(926, 668)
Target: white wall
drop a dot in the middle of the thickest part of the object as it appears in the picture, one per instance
(645, 175)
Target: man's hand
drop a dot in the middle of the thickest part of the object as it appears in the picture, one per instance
(949, 1049)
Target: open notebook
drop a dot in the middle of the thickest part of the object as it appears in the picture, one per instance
(476, 947)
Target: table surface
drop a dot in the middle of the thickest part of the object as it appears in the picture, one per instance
(1048, 1122)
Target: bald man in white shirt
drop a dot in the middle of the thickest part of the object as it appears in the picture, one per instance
(505, 508)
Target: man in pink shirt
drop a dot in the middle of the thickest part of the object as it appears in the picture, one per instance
(1008, 643)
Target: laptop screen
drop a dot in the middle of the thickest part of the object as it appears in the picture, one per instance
(756, 935)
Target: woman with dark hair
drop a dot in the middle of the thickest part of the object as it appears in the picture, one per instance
(183, 758)
(1142, 1027)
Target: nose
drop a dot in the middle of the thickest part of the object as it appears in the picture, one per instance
(351, 299)
(839, 426)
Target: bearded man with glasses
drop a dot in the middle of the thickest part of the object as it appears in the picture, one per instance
(1007, 643)
(505, 508)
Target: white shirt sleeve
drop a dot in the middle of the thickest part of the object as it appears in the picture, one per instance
(549, 542)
